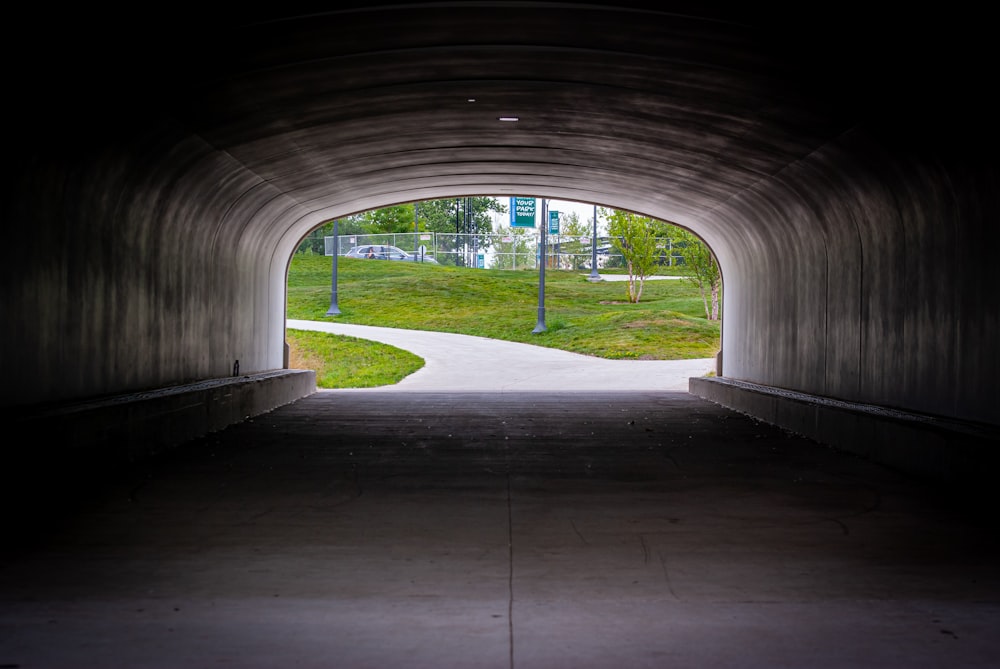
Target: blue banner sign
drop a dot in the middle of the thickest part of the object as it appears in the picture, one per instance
(522, 212)
(553, 222)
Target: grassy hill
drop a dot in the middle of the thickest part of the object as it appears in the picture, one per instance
(585, 317)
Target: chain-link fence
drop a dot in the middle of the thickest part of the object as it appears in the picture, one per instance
(499, 250)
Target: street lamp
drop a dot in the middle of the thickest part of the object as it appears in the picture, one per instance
(334, 310)
(540, 326)
(416, 231)
(594, 276)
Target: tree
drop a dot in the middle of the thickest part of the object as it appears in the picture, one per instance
(314, 242)
(702, 268)
(398, 218)
(635, 238)
(572, 226)
(571, 250)
(466, 216)
(516, 253)
(568, 247)
(458, 215)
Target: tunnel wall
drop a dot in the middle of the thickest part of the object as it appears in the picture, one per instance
(861, 273)
(864, 273)
(953, 453)
(135, 261)
(130, 427)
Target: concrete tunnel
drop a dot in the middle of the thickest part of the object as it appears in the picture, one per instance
(160, 170)
(158, 181)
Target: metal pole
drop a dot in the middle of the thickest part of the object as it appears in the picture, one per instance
(416, 231)
(594, 276)
(334, 310)
(458, 230)
(540, 326)
(474, 230)
(470, 260)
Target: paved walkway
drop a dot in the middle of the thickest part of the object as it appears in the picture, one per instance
(511, 527)
(462, 363)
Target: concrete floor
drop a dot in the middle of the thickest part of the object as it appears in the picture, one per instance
(530, 530)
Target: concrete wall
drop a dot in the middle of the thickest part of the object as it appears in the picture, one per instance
(957, 454)
(134, 264)
(151, 198)
(864, 274)
(68, 442)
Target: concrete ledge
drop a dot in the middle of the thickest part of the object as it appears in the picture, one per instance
(933, 448)
(125, 428)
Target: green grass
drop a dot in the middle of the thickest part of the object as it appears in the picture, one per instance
(348, 362)
(589, 318)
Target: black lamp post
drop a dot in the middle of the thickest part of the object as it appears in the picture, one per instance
(594, 276)
(416, 232)
(334, 310)
(540, 326)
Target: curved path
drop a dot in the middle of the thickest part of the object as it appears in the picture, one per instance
(467, 363)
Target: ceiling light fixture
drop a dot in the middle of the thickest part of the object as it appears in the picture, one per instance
(508, 118)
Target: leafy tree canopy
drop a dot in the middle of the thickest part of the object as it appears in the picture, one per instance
(398, 218)
(572, 226)
(635, 238)
(461, 215)
(701, 268)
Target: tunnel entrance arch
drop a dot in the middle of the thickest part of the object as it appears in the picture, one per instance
(686, 333)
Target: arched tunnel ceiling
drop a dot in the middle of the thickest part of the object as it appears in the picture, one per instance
(162, 166)
(667, 109)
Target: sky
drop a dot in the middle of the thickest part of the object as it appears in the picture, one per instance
(584, 211)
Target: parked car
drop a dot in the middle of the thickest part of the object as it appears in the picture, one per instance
(384, 252)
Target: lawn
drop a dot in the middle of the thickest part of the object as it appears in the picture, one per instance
(592, 318)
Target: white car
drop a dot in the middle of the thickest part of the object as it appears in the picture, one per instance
(383, 252)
